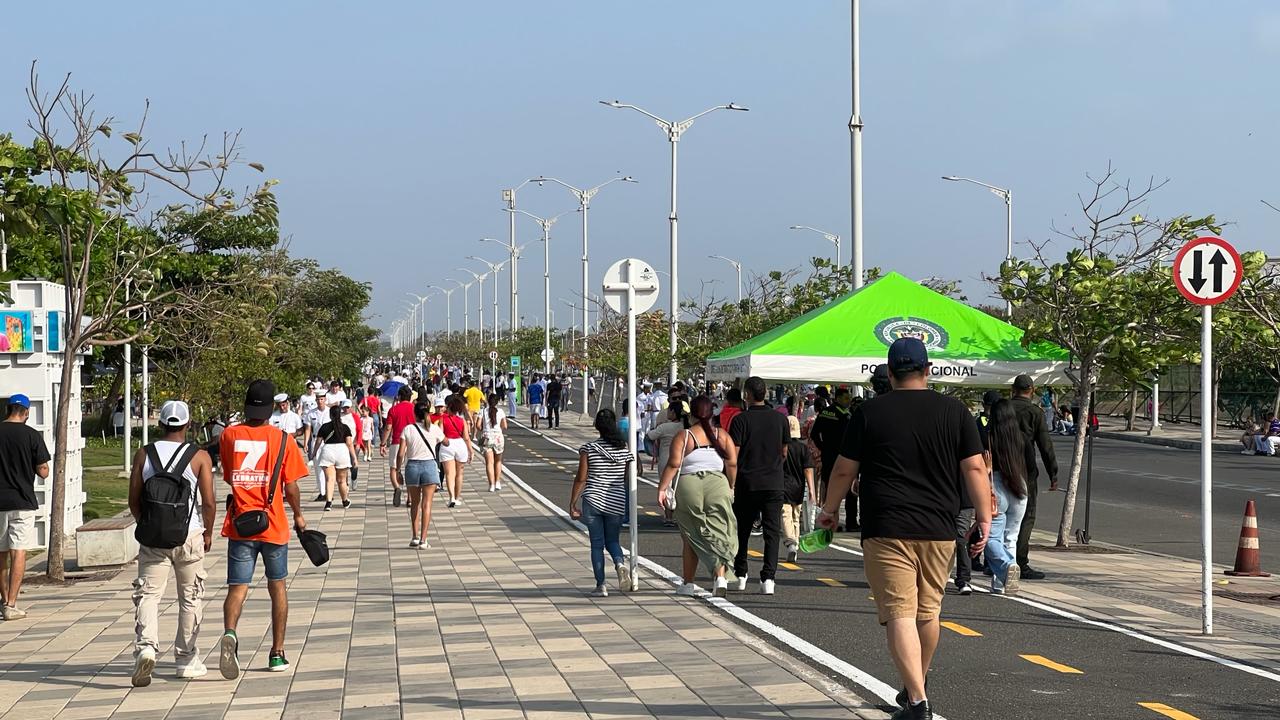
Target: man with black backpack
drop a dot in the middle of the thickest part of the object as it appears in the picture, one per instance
(171, 499)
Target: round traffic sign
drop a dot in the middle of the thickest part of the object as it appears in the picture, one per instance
(547, 354)
(439, 358)
(421, 355)
(633, 273)
(400, 356)
(493, 354)
(1207, 270)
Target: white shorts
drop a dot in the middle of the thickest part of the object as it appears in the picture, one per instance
(335, 456)
(456, 450)
(538, 409)
(18, 530)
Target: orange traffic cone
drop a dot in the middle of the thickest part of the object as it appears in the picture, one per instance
(1248, 557)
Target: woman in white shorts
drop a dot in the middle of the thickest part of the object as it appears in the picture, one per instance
(337, 456)
(493, 426)
(455, 452)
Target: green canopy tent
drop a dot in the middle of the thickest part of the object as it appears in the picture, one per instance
(844, 340)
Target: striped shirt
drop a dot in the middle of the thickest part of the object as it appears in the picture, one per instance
(606, 477)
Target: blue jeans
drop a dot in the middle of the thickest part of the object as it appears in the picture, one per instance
(242, 560)
(997, 554)
(604, 530)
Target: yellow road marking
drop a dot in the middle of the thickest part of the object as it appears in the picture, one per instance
(755, 553)
(1046, 662)
(831, 582)
(961, 630)
(1167, 711)
(789, 566)
(651, 513)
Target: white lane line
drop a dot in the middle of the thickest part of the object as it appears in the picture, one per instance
(573, 450)
(814, 653)
(1135, 634)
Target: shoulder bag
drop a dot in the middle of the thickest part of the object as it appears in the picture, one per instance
(255, 522)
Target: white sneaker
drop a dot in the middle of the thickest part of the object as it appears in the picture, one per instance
(194, 669)
(498, 485)
(600, 591)
(143, 666)
(413, 543)
(1246, 452)
(624, 577)
(457, 502)
(720, 587)
(688, 589)
(742, 584)
(766, 587)
(1012, 580)
(492, 488)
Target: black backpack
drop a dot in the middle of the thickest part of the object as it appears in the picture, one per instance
(168, 500)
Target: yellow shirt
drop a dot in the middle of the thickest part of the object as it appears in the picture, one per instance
(474, 397)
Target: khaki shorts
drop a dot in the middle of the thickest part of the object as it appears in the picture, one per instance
(907, 577)
(18, 530)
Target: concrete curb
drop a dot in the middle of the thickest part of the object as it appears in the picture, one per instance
(1165, 441)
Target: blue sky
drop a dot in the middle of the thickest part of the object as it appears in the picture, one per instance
(393, 126)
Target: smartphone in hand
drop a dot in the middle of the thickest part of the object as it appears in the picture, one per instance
(975, 537)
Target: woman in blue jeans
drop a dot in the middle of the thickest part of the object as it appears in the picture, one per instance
(1006, 458)
(599, 497)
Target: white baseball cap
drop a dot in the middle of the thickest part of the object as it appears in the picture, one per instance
(175, 413)
(281, 397)
(346, 403)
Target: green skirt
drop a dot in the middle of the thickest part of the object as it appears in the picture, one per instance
(704, 513)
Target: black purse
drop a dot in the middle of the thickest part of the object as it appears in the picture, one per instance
(255, 522)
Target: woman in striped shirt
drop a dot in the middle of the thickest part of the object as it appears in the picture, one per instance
(600, 485)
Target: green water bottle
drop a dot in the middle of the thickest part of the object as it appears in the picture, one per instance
(817, 540)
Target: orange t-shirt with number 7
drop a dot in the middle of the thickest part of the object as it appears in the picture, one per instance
(248, 456)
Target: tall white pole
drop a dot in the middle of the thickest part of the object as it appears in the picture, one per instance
(855, 151)
(1206, 468)
(632, 513)
(146, 385)
(1008, 252)
(515, 283)
(586, 324)
(128, 394)
(493, 336)
(738, 268)
(674, 137)
(546, 295)
(466, 313)
(480, 305)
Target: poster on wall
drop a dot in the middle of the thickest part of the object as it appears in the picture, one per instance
(15, 332)
(53, 332)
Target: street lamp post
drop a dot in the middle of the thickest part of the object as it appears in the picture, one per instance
(673, 130)
(466, 308)
(830, 237)
(855, 145)
(737, 267)
(509, 197)
(421, 327)
(448, 307)
(493, 268)
(545, 224)
(1007, 196)
(479, 279)
(584, 204)
(514, 305)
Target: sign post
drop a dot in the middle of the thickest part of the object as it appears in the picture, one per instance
(515, 389)
(493, 370)
(631, 287)
(1207, 271)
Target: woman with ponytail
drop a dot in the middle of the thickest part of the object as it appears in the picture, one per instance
(1005, 457)
(702, 467)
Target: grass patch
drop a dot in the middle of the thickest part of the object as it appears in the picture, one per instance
(96, 453)
(107, 494)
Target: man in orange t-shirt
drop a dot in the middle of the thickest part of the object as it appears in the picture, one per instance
(249, 453)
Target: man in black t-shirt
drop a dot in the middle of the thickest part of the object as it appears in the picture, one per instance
(554, 389)
(913, 453)
(761, 434)
(23, 456)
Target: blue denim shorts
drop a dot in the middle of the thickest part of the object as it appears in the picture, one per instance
(420, 473)
(242, 560)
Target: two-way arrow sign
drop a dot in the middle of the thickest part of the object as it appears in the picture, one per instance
(1212, 285)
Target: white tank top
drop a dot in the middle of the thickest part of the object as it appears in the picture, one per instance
(165, 450)
(703, 458)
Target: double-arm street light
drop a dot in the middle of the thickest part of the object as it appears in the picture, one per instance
(584, 204)
(514, 251)
(479, 297)
(418, 309)
(831, 238)
(493, 269)
(448, 307)
(466, 308)
(674, 131)
(545, 224)
(1007, 195)
(737, 267)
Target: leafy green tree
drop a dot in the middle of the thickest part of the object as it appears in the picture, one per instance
(1110, 301)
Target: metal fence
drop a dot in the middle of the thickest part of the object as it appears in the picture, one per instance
(1235, 409)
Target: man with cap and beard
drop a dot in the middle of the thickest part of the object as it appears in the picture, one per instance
(251, 452)
(1035, 433)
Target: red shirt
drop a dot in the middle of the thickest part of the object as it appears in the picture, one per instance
(727, 414)
(454, 427)
(374, 404)
(400, 416)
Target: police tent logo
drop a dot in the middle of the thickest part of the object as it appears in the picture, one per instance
(931, 334)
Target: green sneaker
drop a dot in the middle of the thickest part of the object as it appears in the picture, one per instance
(278, 662)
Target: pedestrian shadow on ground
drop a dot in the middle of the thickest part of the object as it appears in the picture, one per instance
(713, 706)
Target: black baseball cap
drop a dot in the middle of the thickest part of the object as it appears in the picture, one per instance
(259, 401)
(906, 354)
(991, 397)
(1023, 383)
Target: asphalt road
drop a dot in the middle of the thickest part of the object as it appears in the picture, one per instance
(1148, 497)
(1090, 672)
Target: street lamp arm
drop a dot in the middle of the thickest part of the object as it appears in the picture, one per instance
(997, 190)
(665, 124)
(830, 236)
(736, 265)
(503, 244)
(730, 106)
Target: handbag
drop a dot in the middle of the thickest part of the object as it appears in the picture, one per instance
(315, 545)
(255, 522)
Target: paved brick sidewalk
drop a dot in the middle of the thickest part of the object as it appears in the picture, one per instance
(491, 622)
(1155, 594)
